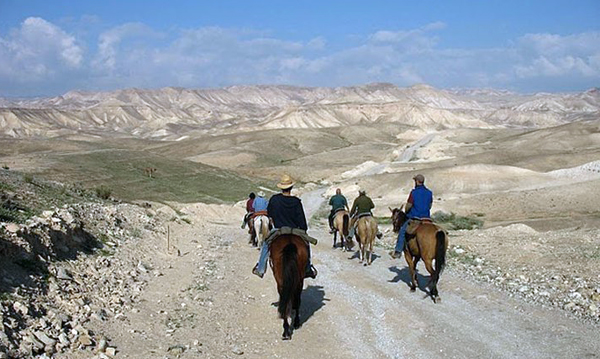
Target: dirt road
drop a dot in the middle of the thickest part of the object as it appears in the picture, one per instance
(206, 303)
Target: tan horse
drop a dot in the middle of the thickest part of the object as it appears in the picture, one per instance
(427, 241)
(341, 225)
(366, 230)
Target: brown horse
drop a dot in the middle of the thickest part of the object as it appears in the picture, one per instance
(289, 256)
(366, 230)
(341, 225)
(424, 240)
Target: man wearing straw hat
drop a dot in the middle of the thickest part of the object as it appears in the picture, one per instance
(286, 211)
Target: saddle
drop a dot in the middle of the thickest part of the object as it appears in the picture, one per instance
(339, 210)
(364, 214)
(288, 230)
(259, 213)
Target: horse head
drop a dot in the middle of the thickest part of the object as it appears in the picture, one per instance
(398, 218)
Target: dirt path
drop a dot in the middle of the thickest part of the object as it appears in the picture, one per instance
(206, 303)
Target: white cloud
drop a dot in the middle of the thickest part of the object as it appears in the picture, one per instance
(38, 50)
(549, 55)
(135, 55)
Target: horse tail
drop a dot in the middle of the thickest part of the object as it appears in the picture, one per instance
(290, 279)
(440, 253)
(346, 223)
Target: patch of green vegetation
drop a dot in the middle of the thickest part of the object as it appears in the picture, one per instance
(384, 220)
(104, 252)
(6, 296)
(136, 232)
(103, 192)
(176, 179)
(16, 215)
(455, 221)
(28, 178)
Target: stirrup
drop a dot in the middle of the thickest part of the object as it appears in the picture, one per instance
(394, 254)
(311, 272)
(255, 271)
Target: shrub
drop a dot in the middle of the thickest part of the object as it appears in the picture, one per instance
(28, 177)
(456, 221)
(5, 167)
(103, 192)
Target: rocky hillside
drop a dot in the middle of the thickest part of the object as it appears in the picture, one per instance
(172, 113)
(63, 269)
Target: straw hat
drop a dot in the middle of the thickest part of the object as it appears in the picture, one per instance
(261, 194)
(285, 182)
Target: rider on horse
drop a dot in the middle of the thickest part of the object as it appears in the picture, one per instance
(249, 208)
(260, 203)
(418, 205)
(361, 206)
(286, 211)
(337, 203)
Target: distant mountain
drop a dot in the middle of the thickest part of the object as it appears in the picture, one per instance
(170, 113)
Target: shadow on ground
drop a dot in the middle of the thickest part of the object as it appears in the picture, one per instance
(313, 299)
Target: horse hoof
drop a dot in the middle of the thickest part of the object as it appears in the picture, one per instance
(437, 299)
(413, 289)
(286, 337)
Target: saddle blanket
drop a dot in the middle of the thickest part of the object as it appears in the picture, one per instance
(276, 232)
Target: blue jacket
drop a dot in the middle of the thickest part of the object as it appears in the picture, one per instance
(260, 204)
(421, 199)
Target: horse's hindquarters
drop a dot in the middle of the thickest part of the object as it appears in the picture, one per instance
(289, 257)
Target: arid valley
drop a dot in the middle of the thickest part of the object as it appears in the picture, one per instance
(159, 266)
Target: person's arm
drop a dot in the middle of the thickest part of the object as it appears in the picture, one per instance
(301, 217)
(409, 203)
(345, 203)
(353, 208)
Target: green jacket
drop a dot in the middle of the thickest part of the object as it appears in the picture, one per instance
(362, 204)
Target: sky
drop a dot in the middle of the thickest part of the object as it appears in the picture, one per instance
(48, 48)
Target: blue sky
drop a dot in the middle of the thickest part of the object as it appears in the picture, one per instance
(50, 47)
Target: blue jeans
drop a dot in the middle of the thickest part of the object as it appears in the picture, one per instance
(401, 237)
(264, 256)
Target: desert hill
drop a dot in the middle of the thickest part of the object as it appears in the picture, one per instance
(174, 113)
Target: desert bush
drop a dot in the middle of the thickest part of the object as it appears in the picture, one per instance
(456, 221)
(103, 192)
(5, 167)
(28, 177)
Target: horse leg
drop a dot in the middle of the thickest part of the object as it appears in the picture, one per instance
(287, 330)
(361, 251)
(412, 266)
(296, 308)
(334, 237)
(432, 284)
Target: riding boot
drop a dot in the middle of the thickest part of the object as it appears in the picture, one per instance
(331, 229)
(310, 271)
(397, 252)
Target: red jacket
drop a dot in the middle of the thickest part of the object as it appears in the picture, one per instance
(250, 205)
